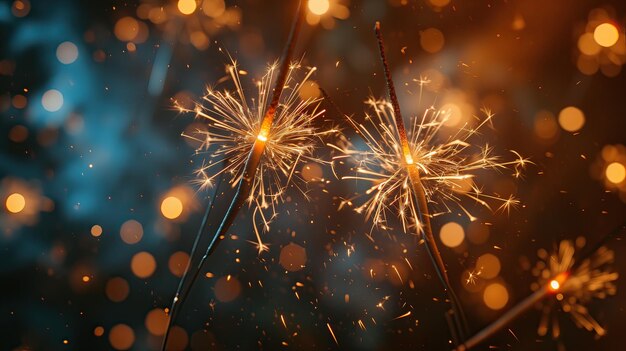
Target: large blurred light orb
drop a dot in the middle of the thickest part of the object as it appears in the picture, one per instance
(615, 172)
(52, 100)
(67, 52)
(606, 35)
(156, 321)
(143, 264)
(495, 296)
(15, 203)
(489, 266)
(131, 231)
(571, 119)
(452, 234)
(121, 337)
(227, 289)
(432, 40)
(319, 7)
(186, 7)
(126, 29)
(171, 207)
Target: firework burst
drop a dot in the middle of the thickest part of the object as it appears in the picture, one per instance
(573, 287)
(235, 124)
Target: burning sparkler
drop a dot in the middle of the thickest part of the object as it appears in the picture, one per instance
(573, 287)
(571, 282)
(235, 127)
(410, 169)
(259, 143)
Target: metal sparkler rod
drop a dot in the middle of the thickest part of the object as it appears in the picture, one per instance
(414, 176)
(245, 184)
(506, 318)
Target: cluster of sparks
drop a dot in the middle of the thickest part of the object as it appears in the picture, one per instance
(574, 286)
(235, 124)
(446, 166)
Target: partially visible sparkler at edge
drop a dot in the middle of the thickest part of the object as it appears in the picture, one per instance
(235, 124)
(592, 278)
(572, 282)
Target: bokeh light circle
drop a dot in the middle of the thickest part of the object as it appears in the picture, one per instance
(67, 52)
(122, 337)
(571, 119)
(52, 100)
(495, 296)
(15, 203)
(171, 207)
(319, 7)
(615, 172)
(606, 35)
(452, 234)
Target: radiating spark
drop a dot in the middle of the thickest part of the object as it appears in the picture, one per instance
(473, 276)
(361, 325)
(573, 289)
(381, 304)
(332, 333)
(282, 319)
(397, 273)
(235, 124)
(402, 316)
(445, 165)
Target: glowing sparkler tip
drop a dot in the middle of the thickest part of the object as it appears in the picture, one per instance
(262, 137)
(554, 285)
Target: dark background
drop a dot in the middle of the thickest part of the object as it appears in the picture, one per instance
(132, 139)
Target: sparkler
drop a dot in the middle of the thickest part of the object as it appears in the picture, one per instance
(257, 143)
(410, 169)
(572, 282)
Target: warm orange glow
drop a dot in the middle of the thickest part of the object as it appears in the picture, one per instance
(121, 337)
(186, 7)
(571, 119)
(131, 232)
(143, 264)
(495, 296)
(156, 321)
(606, 35)
(554, 285)
(319, 7)
(171, 207)
(263, 133)
(409, 159)
(15, 203)
(432, 40)
(96, 230)
(126, 29)
(615, 173)
(452, 234)
(86, 278)
(98, 331)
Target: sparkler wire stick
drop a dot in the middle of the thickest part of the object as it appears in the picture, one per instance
(419, 193)
(550, 288)
(245, 184)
